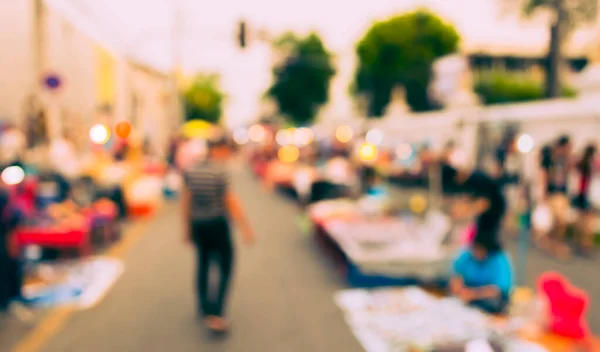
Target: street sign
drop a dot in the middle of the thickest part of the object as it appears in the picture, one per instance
(52, 81)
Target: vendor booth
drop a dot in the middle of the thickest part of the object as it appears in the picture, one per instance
(383, 250)
(414, 320)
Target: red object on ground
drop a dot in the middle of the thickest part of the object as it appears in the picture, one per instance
(567, 306)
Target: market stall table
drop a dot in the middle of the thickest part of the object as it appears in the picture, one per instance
(65, 236)
(383, 251)
(412, 319)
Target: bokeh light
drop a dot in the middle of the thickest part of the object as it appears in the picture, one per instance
(284, 137)
(99, 134)
(458, 158)
(374, 136)
(525, 143)
(123, 129)
(344, 134)
(367, 152)
(404, 151)
(336, 170)
(240, 136)
(288, 154)
(13, 175)
(303, 136)
(417, 203)
(257, 133)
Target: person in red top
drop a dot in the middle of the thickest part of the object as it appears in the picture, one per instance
(585, 168)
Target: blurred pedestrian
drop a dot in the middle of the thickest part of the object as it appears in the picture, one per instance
(208, 202)
(585, 168)
(509, 166)
(556, 167)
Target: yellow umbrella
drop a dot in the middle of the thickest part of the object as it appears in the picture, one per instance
(197, 129)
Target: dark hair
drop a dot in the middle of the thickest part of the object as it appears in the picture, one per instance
(546, 153)
(563, 141)
(489, 242)
(585, 164)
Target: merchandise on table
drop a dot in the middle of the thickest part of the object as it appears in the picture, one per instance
(332, 208)
(396, 246)
(412, 319)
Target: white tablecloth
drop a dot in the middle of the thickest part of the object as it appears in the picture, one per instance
(396, 247)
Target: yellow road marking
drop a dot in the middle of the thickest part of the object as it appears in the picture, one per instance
(57, 318)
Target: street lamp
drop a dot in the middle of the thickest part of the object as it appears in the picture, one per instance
(525, 144)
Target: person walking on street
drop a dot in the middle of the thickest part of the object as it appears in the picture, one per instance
(208, 203)
(556, 167)
(585, 169)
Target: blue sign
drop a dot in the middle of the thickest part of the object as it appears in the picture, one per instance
(52, 82)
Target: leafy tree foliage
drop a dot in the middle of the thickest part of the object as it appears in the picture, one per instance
(566, 15)
(204, 99)
(301, 82)
(400, 51)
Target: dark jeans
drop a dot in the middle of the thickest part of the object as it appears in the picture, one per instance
(214, 244)
(11, 277)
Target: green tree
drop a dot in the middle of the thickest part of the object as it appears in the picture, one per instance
(301, 82)
(204, 99)
(400, 52)
(566, 15)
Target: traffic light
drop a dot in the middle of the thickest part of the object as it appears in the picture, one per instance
(242, 34)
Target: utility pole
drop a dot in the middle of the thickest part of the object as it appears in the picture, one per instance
(176, 35)
(38, 41)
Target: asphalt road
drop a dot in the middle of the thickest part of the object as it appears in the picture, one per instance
(281, 299)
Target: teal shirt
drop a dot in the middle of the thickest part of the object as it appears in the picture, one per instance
(377, 191)
(496, 270)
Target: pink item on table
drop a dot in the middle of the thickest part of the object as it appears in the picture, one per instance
(567, 305)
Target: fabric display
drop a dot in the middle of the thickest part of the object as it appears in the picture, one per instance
(80, 283)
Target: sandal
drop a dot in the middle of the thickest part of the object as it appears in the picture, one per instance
(217, 324)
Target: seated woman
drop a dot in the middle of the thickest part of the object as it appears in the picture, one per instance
(482, 275)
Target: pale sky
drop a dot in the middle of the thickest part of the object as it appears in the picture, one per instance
(143, 29)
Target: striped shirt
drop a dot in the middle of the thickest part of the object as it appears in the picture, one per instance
(207, 183)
